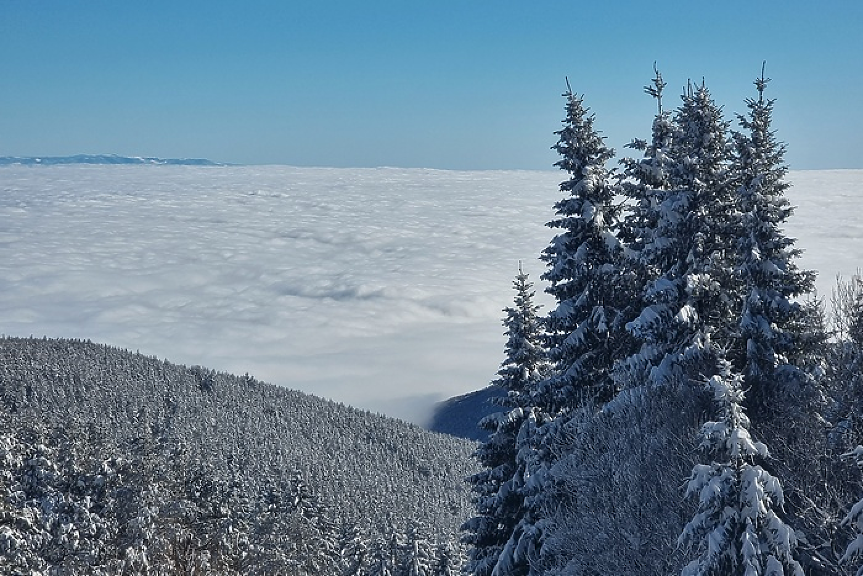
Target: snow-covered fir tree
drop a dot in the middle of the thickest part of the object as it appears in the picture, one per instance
(605, 496)
(354, 549)
(684, 255)
(593, 292)
(736, 530)
(690, 295)
(418, 557)
(526, 360)
(521, 553)
(646, 182)
(772, 332)
(499, 487)
(585, 329)
(384, 559)
(713, 283)
(449, 560)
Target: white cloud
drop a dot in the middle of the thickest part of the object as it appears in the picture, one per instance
(827, 223)
(381, 288)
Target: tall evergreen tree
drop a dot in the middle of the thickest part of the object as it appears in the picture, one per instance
(772, 326)
(778, 346)
(689, 299)
(526, 362)
(449, 559)
(384, 557)
(499, 486)
(646, 182)
(419, 560)
(704, 221)
(585, 328)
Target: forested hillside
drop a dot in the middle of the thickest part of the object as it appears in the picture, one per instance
(116, 462)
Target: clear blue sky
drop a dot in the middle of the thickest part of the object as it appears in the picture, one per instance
(442, 84)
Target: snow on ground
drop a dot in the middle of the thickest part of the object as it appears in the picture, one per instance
(381, 288)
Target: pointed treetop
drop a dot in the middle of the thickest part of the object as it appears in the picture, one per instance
(568, 87)
(761, 83)
(656, 87)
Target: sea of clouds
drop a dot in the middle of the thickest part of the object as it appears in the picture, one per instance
(381, 288)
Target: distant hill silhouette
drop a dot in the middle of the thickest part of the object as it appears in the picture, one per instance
(460, 416)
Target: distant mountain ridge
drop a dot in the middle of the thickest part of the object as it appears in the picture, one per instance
(102, 159)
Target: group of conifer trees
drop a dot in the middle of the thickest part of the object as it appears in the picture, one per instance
(683, 342)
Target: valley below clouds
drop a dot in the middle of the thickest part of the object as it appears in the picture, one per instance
(380, 288)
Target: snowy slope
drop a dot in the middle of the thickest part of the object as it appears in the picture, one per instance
(111, 459)
(364, 466)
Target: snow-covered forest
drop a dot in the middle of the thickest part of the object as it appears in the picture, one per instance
(687, 405)
(117, 463)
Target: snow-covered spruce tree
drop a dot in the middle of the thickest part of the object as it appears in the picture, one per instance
(499, 499)
(616, 460)
(690, 295)
(526, 362)
(646, 182)
(418, 553)
(521, 551)
(449, 559)
(779, 349)
(736, 529)
(772, 326)
(353, 547)
(685, 254)
(586, 328)
(382, 563)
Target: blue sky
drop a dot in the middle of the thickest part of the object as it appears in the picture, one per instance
(444, 84)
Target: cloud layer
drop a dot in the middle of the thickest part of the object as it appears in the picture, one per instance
(381, 288)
